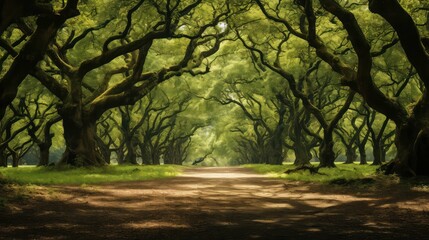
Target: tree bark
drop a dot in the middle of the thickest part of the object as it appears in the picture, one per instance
(327, 155)
(104, 149)
(376, 152)
(44, 154)
(15, 162)
(145, 155)
(412, 142)
(275, 141)
(275, 153)
(80, 136)
(302, 154)
(131, 156)
(3, 157)
(362, 153)
(350, 155)
(156, 158)
(45, 145)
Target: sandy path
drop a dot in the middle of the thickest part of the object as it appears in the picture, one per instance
(220, 203)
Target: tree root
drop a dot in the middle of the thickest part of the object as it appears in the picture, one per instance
(312, 169)
(395, 167)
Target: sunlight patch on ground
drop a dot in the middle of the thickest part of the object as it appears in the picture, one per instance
(277, 205)
(247, 186)
(314, 230)
(154, 224)
(219, 173)
(265, 220)
(224, 175)
(223, 223)
(378, 225)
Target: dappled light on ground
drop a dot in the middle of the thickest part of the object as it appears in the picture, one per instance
(220, 203)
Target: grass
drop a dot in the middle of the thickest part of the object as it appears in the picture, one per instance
(343, 173)
(79, 176)
(19, 184)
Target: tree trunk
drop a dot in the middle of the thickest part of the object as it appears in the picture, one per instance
(412, 142)
(173, 154)
(276, 140)
(362, 153)
(104, 149)
(383, 155)
(350, 155)
(80, 136)
(3, 158)
(44, 154)
(145, 155)
(156, 159)
(131, 156)
(327, 155)
(377, 152)
(15, 160)
(275, 156)
(302, 155)
(412, 135)
(120, 156)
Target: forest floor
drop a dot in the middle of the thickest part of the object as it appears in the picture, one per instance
(219, 203)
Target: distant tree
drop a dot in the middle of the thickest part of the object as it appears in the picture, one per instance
(11, 126)
(267, 143)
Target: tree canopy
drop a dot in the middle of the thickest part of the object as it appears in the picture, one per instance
(230, 82)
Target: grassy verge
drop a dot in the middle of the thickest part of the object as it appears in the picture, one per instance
(344, 173)
(78, 176)
(20, 184)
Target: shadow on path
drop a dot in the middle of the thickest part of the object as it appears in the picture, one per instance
(220, 203)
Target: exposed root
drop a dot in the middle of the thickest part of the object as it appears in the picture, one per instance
(395, 167)
(312, 169)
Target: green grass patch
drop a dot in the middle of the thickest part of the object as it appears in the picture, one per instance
(343, 174)
(78, 176)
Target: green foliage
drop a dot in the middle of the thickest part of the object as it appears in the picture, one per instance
(68, 175)
(346, 172)
(232, 66)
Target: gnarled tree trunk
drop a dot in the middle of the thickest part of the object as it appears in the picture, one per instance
(80, 136)
(350, 155)
(412, 135)
(105, 150)
(362, 153)
(275, 152)
(131, 156)
(302, 154)
(327, 155)
(145, 154)
(412, 142)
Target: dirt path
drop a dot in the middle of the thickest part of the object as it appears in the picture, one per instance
(220, 203)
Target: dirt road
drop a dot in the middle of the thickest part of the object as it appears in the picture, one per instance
(220, 203)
